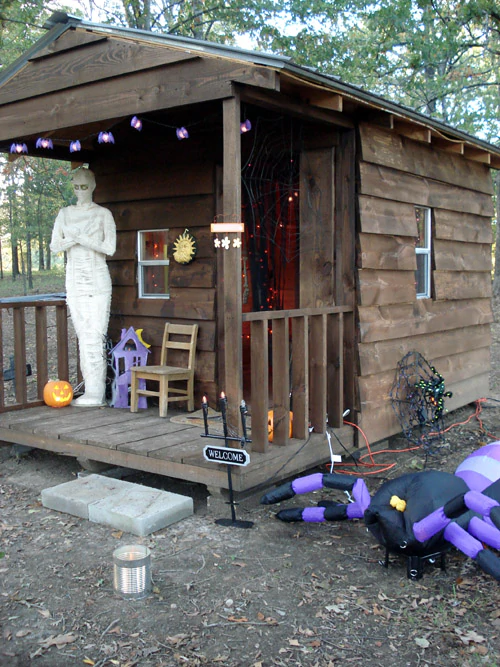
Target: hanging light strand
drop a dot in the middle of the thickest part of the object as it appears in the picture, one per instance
(106, 137)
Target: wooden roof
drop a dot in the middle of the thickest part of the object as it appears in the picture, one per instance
(85, 77)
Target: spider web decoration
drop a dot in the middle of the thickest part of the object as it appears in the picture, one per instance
(270, 197)
(417, 397)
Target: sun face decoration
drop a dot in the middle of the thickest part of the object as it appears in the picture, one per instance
(57, 393)
(185, 248)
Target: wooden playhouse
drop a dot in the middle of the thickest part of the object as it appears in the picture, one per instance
(367, 226)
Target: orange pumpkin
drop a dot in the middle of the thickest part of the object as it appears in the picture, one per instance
(57, 393)
(270, 425)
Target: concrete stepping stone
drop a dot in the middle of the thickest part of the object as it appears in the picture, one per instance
(133, 508)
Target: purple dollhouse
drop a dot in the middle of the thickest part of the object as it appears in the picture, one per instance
(130, 351)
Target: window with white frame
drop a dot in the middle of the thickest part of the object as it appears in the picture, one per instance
(423, 252)
(153, 264)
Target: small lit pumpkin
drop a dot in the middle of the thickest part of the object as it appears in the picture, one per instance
(57, 393)
(270, 425)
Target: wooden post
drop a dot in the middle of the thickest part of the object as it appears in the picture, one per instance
(232, 368)
(19, 322)
(62, 342)
(2, 386)
(42, 372)
(260, 385)
(345, 241)
(281, 381)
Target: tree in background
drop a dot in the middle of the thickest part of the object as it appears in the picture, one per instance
(440, 57)
(21, 24)
(31, 193)
(218, 21)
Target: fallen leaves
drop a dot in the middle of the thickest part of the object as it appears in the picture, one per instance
(469, 637)
(269, 620)
(422, 642)
(58, 640)
(23, 633)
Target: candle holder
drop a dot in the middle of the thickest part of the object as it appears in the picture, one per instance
(132, 571)
(233, 521)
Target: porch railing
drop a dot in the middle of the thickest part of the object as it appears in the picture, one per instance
(34, 347)
(303, 367)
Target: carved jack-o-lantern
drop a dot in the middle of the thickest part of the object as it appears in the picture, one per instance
(270, 425)
(57, 393)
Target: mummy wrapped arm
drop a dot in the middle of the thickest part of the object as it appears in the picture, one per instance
(60, 241)
(98, 235)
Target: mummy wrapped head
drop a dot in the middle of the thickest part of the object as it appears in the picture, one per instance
(84, 185)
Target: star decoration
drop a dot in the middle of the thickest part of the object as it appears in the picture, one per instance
(217, 243)
(226, 243)
(236, 243)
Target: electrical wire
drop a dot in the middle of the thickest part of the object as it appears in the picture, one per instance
(377, 468)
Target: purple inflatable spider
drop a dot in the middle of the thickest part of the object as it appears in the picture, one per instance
(418, 515)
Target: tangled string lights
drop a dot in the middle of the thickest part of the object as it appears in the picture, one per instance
(417, 397)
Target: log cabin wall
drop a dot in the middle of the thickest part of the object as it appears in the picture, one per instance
(168, 185)
(450, 329)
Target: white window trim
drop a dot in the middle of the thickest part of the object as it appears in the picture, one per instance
(149, 262)
(426, 250)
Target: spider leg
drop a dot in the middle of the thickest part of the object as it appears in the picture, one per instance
(327, 511)
(486, 504)
(484, 532)
(467, 544)
(440, 518)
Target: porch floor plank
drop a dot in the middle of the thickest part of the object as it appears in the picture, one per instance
(111, 436)
(144, 441)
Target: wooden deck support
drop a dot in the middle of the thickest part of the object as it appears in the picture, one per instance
(145, 441)
(232, 366)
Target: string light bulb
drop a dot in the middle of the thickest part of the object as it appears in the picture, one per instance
(75, 146)
(182, 133)
(105, 138)
(245, 126)
(136, 123)
(44, 142)
(18, 147)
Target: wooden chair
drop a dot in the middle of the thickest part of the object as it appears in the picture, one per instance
(175, 337)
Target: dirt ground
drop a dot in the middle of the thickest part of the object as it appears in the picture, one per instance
(274, 594)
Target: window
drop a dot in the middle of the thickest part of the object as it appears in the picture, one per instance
(423, 252)
(153, 264)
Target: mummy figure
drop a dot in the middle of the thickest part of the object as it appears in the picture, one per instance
(87, 233)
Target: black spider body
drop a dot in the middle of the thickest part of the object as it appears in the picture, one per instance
(419, 514)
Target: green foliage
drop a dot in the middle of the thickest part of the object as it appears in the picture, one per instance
(202, 19)
(440, 57)
(20, 26)
(31, 193)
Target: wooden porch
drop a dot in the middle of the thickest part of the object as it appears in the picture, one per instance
(34, 334)
(144, 441)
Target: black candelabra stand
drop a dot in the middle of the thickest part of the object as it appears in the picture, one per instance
(227, 455)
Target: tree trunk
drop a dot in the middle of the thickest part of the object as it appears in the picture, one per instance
(23, 272)
(41, 252)
(15, 259)
(13, 239)
(46, 245)
(41, 255)
(197, 26)
(29, 260)
(496, 274)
